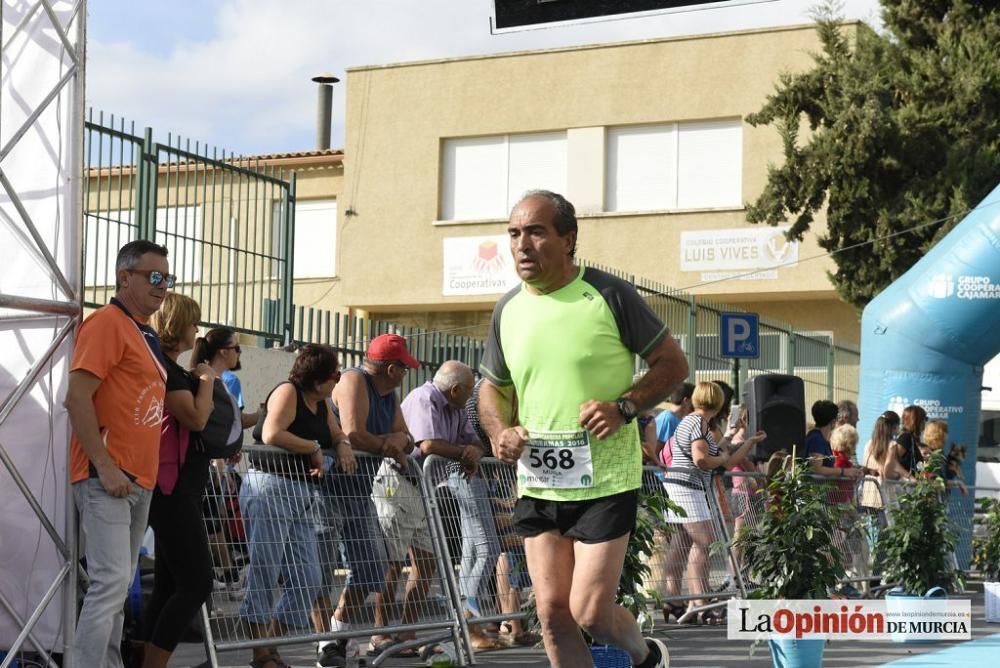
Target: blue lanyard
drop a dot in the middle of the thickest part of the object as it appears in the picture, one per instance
(148, 333)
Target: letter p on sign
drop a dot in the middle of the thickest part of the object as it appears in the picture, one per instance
(739, 335)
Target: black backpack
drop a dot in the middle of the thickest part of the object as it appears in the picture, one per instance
(222, 436)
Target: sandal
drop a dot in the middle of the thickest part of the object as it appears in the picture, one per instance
(427, 651)
(486, 644)
(376, 648)
(522, 639)
(262, 662)
(713, 617)
(675, 610)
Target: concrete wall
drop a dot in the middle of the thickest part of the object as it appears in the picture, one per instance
(262, 370)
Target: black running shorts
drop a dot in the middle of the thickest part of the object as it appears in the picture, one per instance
(590, 521)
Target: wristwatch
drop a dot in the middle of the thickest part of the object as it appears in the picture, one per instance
(627, 408)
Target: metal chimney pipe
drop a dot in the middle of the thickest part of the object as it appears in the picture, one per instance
(324, 109)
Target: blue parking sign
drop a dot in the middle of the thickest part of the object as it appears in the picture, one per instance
(739, 335)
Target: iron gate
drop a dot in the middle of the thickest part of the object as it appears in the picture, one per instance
(228, 223)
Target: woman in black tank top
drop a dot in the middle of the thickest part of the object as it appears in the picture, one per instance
(277, 499)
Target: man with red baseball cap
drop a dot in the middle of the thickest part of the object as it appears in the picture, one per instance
(370, 415)
(391, 348)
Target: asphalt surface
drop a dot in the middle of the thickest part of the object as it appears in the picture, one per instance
(698, 646)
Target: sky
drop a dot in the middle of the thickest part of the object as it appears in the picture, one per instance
(235, 74)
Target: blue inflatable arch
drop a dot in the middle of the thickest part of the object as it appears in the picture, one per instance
(926, 338)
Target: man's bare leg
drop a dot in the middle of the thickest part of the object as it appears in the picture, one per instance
(422, 570)
(551, 565)
(595, 583)
(384, 599)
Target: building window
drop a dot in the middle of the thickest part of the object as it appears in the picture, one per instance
(315, 239)
(483, 177)
(315, 251)
(812, 350)
(675, 166)
(179, 229)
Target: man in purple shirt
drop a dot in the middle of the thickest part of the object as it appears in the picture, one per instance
(436, 416)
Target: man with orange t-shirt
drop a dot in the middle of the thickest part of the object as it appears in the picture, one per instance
(115, 404)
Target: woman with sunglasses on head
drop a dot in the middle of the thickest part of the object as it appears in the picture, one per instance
(220, 349)
(183, 564)
(298, 433)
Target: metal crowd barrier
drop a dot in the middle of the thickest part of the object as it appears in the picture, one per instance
(362, 539)
(861, 515)
(473, 516)
(694, 562)
(962, 508)
(301, 542)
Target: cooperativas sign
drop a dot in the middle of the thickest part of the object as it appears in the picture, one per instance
(478, 266)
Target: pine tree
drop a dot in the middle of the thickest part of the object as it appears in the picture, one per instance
(903, 130)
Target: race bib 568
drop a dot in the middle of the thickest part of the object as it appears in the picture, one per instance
(556, 460)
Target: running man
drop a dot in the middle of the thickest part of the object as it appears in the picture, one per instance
(558, 400)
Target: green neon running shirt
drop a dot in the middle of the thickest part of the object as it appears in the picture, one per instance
(560, 350)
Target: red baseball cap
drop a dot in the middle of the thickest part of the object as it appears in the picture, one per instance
(391, 348)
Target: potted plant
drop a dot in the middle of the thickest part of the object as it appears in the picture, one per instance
(916, 551)
(632, 593)
(986, 555)
(791, 552)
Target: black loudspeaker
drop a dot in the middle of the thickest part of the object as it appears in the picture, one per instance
(777, 404)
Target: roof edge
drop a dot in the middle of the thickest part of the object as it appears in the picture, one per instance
(591, 47)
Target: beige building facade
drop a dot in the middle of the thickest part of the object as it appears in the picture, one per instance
(648, 139)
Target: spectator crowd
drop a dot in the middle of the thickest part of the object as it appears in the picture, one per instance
(334, 483)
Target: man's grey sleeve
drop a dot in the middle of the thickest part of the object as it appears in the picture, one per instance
(494, 365)
(640, 329)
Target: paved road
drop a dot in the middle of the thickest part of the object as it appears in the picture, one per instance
(706, 647)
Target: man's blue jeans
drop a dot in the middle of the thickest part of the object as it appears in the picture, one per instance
(114, 528)
(480, 543)
(279, 514)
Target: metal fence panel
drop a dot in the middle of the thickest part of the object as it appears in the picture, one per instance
(309, 541)
(111, 192)
(691, 569)
(227, 223)
(474, 517)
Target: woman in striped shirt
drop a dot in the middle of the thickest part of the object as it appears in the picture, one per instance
(696, 451)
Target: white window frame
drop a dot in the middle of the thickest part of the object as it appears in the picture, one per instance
(447, 188)
(813, 334)
(672, 179)
(311, 206)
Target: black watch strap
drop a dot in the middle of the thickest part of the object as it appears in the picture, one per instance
(627, 408)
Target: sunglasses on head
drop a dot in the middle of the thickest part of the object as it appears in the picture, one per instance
(155, 278)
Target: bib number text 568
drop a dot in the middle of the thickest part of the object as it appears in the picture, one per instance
(551, 458)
